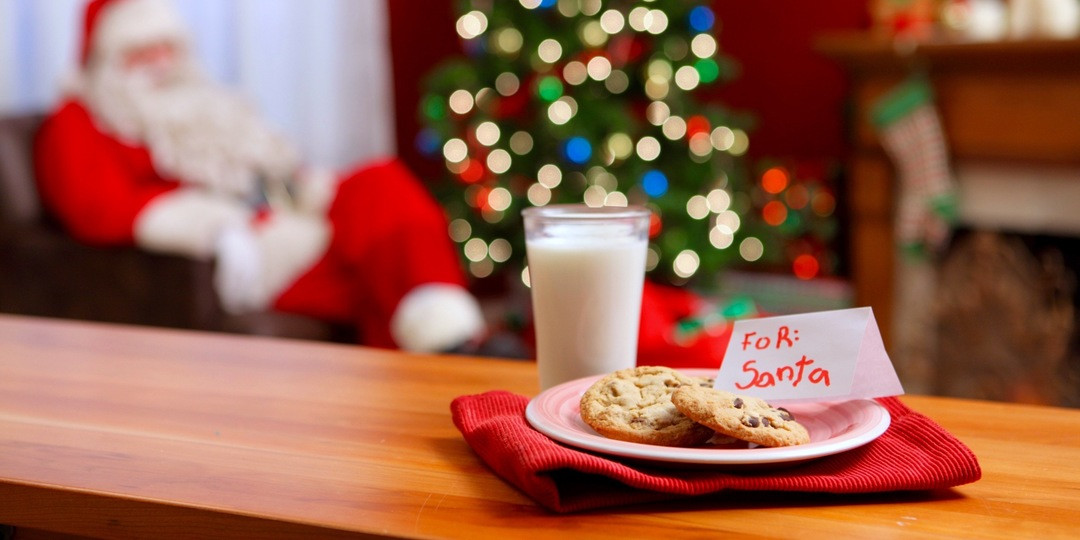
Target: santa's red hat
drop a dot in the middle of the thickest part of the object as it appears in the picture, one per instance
(112, 26)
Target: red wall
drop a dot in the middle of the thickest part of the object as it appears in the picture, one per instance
(796, 95)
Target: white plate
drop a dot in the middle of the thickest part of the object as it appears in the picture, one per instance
(834, 427)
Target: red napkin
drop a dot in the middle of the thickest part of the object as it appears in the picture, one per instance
(915, 453)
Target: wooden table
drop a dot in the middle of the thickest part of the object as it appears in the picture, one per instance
(112, 431)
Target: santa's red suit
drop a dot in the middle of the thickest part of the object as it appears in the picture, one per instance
(368, 248)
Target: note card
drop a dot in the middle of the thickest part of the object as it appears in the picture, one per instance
(821, 356)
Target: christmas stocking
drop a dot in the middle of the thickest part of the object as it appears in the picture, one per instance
(912, 136)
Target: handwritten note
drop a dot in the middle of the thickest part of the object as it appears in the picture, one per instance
(827, 355)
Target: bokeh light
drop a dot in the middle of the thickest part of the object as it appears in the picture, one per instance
(774, 213)
(521, 142)
(701, 19)
(751, 249)
(460, 230)
(805, 266)
(774, 180)
(577, 149)
(655, 183)
(461, 101)
(549, 175)
(612, 21)
(697, 207)
(648, 148)
(686, 263)
(472, 24)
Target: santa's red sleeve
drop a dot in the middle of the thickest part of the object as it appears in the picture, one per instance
(106, 192)
(95, 185)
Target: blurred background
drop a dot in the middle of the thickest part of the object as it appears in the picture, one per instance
(785, 165)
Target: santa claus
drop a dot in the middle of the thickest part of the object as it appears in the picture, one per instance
(145, 150)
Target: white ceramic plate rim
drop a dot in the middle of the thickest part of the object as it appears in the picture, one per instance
(869, 419)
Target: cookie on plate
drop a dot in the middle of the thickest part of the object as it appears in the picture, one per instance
(635, 405)
(743, 417)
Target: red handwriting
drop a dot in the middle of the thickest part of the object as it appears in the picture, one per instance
(794, 374)
(785, 337)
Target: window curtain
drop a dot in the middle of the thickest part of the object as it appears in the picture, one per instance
(319, 70)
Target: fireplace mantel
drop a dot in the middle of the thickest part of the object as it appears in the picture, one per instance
(1009, 104)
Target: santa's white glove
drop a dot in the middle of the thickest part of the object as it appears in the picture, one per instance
(436, 317)
(238, 272)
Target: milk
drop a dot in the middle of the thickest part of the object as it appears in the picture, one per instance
(586, 288)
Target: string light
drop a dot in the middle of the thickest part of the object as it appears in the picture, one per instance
(774, 180)
(774, 213)
(482, 124)
(594, 196)
(521, 143)
(499, 199)
(460, 230)
(616, 198)
(729, 220)
(577, 149)
(599, 67)
(487, 133)
(549, 50)
(722, 138)
(568, 8)
(499, 161)
(507, 41)
(739, 143)
(507, 83)
(687, 78)
(686, 263)
(592, 34)
(559, 112)
(475, 249)
(657, 113)
(708, 70)
(751, 249)
(697, 207)
(805, 266)
(701, 19)
(674, 128)
(675, 48)
(648, 148)
(655, 183)
(703, 45)
(656, 21)
(620, 145)
(461, 101)
(549, 88)
(500, 250)
(455, 150)
(637, 18)
(617, 82)
(797, 197)
(719, 200)
(721, 237)
(472, 24)
(549, 176)
(590, 7)
(575, 73)
(538, 195)
(656, 88)
(482, 269)
(612, 21)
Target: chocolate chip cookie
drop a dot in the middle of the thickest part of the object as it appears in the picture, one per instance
(635, 405)
(746, 418)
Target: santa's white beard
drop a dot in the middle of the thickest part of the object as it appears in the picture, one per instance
(197, 132)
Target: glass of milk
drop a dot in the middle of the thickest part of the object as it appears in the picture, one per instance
(586, 270)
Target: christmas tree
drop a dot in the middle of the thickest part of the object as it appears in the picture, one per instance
(583, 101)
